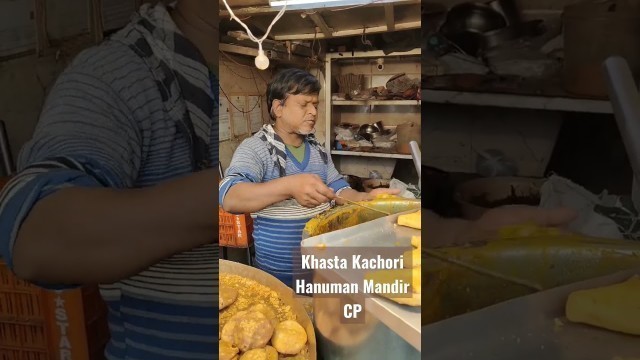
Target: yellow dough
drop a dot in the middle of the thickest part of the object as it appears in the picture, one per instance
(413, 220)
(227, 296)
(267, 353)
(414, 300)
(408, 276)
(416, 242)
(248, 330)
(228, 351)
(289, 337)
(412, 258)
(614, 307)
(267, 311)
(272, 353)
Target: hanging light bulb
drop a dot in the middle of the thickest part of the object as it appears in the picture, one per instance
(262, 61)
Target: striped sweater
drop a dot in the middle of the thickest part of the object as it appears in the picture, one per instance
(109, 122)
(278, 228)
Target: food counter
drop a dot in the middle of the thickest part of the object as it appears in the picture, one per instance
(389, 331)
(398, 322)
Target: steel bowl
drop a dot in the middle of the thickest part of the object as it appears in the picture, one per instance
(472, 17)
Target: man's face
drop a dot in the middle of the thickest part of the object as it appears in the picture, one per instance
(298, 113)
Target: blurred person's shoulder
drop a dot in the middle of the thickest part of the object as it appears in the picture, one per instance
(111, 62)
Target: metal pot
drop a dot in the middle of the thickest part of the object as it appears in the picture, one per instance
(368, 132)
(508, 9)
(494, 38)
(472, 17)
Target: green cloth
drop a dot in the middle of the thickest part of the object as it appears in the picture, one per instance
(297, 152)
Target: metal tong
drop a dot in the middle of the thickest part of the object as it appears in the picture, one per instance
(363, 206)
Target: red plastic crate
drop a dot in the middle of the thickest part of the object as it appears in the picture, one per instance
(25, 306)
(235, 230)
(24, 335)
(23, 354)
(31, 320)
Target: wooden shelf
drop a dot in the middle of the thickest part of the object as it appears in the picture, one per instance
(371, 54)
(518, 101)
(377, 102)
(371, 154)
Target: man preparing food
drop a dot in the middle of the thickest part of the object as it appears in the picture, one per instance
(117, 185)
(284, 175)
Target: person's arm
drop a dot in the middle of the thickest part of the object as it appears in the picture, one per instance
(450, 232)
(248, 197)
(353, 195)
(341, 188)
(243, 190)
(83, 235)
(68, 217)
(441, 231)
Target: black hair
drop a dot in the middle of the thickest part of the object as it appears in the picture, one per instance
(291, 82)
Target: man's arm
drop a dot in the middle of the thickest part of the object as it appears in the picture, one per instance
(243, 190)
(353, 195)
(449, 232)
(69, 217)
(340, 186)
(248, 197)
(442, 232)
(81, 235)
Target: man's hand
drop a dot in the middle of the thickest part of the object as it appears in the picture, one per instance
(492, 221)
(354, 195)
(498, 218)
(380, 191)
(450, 232)
(309, 190)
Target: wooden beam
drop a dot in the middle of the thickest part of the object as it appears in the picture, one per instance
(319, 21)
(265, 10)
(351, 32)
(96, 21)
(262, 28)
(40, 17)
(253, 52)
(389, 17)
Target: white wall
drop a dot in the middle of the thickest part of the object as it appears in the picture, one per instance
(24, 81)
(23, 86)
(236, 79)
(65, 18)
